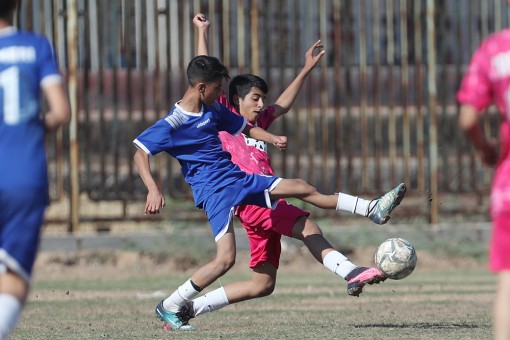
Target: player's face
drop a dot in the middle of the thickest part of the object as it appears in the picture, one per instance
(211, 91)
(252, 104)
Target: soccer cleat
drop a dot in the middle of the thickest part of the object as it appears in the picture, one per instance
(380, 208)
(173, 321)
(360, 276)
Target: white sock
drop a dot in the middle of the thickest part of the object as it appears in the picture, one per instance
(352, 204)
(184, 293)
(10, 310)
(338, 263)
(210, 302)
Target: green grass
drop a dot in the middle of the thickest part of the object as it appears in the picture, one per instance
(430, 304)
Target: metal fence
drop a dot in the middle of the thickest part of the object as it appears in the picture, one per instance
(379, 109)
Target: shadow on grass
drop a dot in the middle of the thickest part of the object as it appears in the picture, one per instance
(419, 325)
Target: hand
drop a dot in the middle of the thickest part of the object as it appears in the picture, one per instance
(310, 59)
(490, 153)
(155, 202)
(201, 22)
(280, 142)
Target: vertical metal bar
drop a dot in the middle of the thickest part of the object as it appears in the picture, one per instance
(377, 93)
(254, 30)
(310, 119)
(241, 58)
(363, 95)
(324, 114)
(86, 139)
(404, 78)
(126, 43)
(227, 40)
(72, 57)
(337, 65)
(392, 129)
(432, 108)
(420, 135)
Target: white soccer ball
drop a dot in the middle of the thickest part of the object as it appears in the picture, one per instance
(396, 258)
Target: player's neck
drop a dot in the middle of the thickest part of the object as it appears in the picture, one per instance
(4, 23)
(191, 102)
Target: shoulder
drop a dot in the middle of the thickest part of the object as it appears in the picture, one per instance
(495, 43)
(266, 117)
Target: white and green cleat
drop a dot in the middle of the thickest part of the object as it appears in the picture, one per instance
(380, 208)
(173, 321)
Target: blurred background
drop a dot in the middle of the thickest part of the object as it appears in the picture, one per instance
(379, 109)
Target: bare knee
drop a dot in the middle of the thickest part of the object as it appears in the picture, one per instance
(224, 263)
(305, 227)
(262, 289)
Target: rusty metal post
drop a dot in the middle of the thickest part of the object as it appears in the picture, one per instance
(432, 108)
(72, 65)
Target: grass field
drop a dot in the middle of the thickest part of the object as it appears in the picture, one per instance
(97, 301)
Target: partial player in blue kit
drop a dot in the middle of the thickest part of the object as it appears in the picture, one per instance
(189, 133)
(27, 65)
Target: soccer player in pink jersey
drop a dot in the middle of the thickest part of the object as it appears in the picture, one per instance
(266, 226)
(486, 82)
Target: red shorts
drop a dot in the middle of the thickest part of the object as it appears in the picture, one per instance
(500, 243)
(265, 227)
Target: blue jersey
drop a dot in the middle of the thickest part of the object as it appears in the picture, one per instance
(26, 64)
(193, 140)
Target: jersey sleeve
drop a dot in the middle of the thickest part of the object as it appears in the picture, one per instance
(266, 117)
(475, 88)
(48, 72)
(155, 139)
(229, 121)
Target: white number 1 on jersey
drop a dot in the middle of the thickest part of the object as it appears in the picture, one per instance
(9, 82)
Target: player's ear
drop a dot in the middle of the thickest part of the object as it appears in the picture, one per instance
(235, 97)
(201, 87)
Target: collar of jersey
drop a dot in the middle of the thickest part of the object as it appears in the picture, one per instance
(181, 110)
(8, 30)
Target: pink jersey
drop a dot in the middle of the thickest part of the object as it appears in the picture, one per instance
(487, 81)
(250, 154)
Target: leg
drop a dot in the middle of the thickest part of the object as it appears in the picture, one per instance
(169, 310)
(262, 283)
(21, 218)
(13, 293)
(501, 311)
(224, 260)
(309, 232)
(357, 277)
(378, 210)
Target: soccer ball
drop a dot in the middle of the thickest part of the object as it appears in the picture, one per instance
(396, 258)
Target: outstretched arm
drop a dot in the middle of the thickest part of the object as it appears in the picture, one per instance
(200, 21)
(470, 124)
(286, 99)
(155, 200)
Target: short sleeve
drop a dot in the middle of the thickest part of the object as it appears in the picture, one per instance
(266, 117)
(475, 88)
(48, 72)
(155, 139)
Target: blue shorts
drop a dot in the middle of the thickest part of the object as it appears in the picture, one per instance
(251, 189)
(21, 219)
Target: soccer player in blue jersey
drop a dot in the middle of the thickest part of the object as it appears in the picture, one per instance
(27, 65)
(190, 134)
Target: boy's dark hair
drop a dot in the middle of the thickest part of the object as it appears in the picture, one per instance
(241, 85)
(7, 7)
(205, 69)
